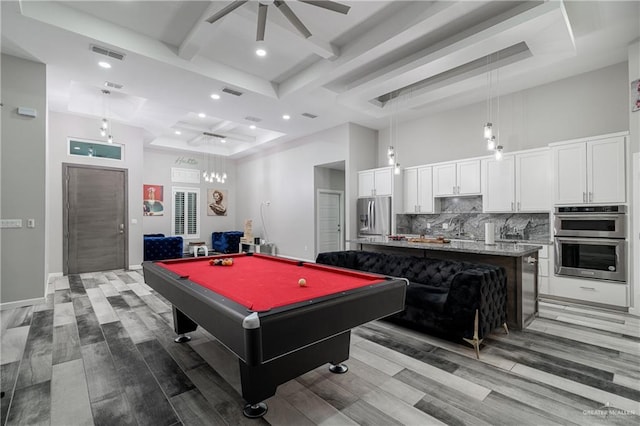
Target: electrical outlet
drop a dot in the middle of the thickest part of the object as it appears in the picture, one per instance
(445, 226)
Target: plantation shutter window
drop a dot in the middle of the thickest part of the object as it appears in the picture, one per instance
(186, 219)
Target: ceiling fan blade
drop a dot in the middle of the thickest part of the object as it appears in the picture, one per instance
(226, 10)
(291, 17)
(329, 5)
(262, 21)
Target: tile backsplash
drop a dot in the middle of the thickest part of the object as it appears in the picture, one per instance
(462, 217)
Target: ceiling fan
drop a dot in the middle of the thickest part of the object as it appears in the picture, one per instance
(284, 9)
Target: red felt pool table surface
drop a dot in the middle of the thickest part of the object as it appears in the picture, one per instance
(261, 282)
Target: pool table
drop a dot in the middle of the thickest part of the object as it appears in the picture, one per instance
(278, 327)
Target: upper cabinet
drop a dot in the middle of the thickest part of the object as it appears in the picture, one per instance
(460, 178)
(519, 182)
(375, 182)
(418, 190)
(590, 171)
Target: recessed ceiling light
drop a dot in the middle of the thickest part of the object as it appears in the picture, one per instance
(202, 115)
(178, 132)
(215, 96)
(223, 141)
(286, 117)
(104, 64)
(261, 52)
(252, 127)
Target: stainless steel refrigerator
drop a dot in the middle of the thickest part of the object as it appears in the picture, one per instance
(374, 216)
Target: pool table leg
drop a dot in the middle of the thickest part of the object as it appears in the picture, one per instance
(338, 368)
(182, 324)
(260, 381)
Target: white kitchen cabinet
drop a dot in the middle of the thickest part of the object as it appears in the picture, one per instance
(375, 182)
(590, 171)
(602, 292)
(418, 190)
(460, 178)
(498, 182)
(533, 181)
(518, 183)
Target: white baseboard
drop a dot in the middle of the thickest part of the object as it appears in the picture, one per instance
(21, 303)
(135, 267)
(54, 275)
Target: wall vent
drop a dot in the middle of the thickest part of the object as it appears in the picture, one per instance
(232, 92)
(107, 52)
(309, 115)
(254, 119)
(113, 85)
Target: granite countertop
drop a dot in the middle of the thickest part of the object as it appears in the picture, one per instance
(461, 246)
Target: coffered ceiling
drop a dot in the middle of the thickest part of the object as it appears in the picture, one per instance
(381, 59)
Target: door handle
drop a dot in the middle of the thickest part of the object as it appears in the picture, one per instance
(122, 228)
(590, 196)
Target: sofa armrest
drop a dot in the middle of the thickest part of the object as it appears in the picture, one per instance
(482, 289)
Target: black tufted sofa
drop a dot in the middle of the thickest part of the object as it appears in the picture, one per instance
(454, 299)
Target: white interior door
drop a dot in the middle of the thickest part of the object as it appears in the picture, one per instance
(330, 221)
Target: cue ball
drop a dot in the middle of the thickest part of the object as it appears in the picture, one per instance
(302, 282)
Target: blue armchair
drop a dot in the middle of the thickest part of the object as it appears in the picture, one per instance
(226, 242)
(159, 247)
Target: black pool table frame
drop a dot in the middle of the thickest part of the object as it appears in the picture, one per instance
(280, 344)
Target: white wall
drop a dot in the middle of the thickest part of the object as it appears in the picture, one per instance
(589, 104)
(62, 126)
(362, 156)
(285, 176)
(23, 156)
(634, 142)
(157, 171)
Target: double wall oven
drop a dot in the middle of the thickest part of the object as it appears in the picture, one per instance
(590, 242)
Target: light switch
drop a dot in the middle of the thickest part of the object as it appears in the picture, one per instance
(134, 221)
(10, 223)
(31, 223)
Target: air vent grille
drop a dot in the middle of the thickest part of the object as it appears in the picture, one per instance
(113, 85)
(309, 115)
(215, 135)
(107, 52)
(254, 119)
(232, 92)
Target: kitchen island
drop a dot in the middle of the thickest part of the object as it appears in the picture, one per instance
(519, 260)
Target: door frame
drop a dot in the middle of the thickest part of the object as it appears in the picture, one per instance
(65, 211)
(340, 212)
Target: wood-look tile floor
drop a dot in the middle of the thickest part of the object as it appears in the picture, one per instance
(101, 351)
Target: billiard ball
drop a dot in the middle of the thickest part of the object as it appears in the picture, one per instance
(302, 282)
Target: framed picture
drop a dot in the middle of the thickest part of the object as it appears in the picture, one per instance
(217, 201)
(153, 200)
(635, 95)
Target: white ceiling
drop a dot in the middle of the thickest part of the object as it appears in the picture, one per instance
(424, 56)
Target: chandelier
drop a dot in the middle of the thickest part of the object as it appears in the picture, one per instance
(216, 170)
(105, 125)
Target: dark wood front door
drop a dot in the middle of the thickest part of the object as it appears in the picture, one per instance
(95, 218)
